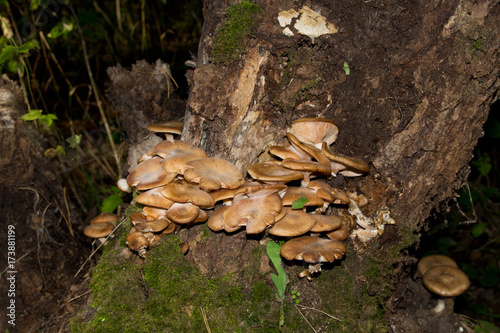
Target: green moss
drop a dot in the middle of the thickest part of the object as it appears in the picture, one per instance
(167, 292)
(232, 36)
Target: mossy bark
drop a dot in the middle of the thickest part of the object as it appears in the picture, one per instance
(413, 103)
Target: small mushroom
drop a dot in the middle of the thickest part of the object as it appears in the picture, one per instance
(105, 218)
(256, 213)
(98, 230)
(313, 250)
(213, 174)
(153, 197)
(446, 281)
(149, 174)
(346, 166)
(294, 223)
(169, 128)
(137, 242)
(315, 131)
(432, 261)
(183, 192)
(273, 172)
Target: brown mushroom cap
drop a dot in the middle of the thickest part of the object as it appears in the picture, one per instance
(289, 152)
(434, 260)
(213, 174)
(447, 281)
(154, 212)
(325, 223)
(216, 221)
(98, 230)
(343, 231)
(293, 193)
(256, 213)
(273, 172)
(153, 226)
(153, 197)
(183, 213)
(177, 154)
(136, 241)
(313, 249)
(315, 131)
(105, 217)
(149, 174)
(172, 127)
(348, 166)
(183, 192)
(294, 223)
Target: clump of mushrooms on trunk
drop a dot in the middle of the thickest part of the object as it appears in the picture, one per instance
(180, 185)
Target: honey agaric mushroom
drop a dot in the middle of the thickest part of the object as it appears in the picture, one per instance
(446, 281)
(294, 223)
(343, 231)
(256, 213)
(104, 218)
(169, 128)
(313, 250)
(308, 168)
(325, 223)
(123, 185)
(177, 154)
(213, 174)
(149, 174)
(434, 260)
(289, 152)
(183, 192)
(216, 221)
(154, 198)
(183, 213)
(137, 242)
(315, 131)
(273, 172)
(153, 226)
(154, 212)
(293, 193)
(98, 230)
(346, 166)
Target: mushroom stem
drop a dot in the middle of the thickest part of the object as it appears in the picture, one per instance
(440, 306)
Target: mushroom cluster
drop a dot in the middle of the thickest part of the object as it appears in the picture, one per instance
(101, 226)
(180, 185)
(441, 275)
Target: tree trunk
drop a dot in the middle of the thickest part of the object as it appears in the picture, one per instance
(409, 85)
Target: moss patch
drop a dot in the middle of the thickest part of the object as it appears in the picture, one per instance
(232, 36)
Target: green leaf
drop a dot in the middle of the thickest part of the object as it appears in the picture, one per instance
(478, 229)
(7, 53)
(28, 46)
(48, 119)
(63, 28)
(32, 115)
(74, 140)
(280, 280)
(299, 203)
(110, 204)
(35, 4)
(346, 68)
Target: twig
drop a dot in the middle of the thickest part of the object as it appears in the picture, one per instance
(205, 320)
(105, 239)
(307, 321)
(326, 314)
